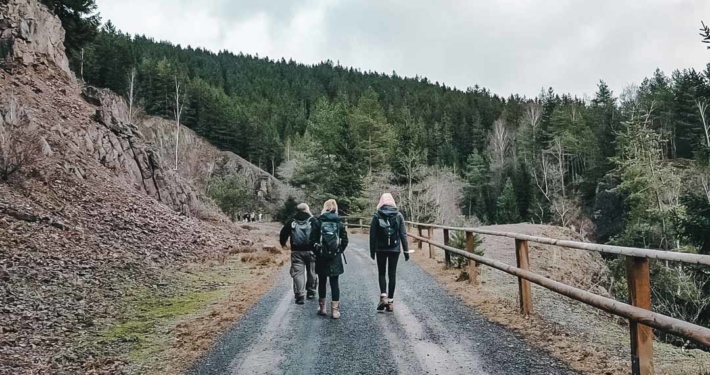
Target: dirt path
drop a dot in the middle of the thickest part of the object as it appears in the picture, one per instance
(430, 332)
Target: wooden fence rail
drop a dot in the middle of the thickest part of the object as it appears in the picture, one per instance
(638, 312)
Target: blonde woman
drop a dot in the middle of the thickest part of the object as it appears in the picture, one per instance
(388, 236)
(329, 239)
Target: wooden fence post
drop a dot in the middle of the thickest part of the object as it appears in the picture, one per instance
(471, 265)
(447, 255)
(419, 245)
(430, 234)
(523, 257)
(362, 229)
(638, 277)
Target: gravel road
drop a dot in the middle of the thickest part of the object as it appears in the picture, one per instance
(430, 332)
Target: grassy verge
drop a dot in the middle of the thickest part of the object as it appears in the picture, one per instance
(164, 328)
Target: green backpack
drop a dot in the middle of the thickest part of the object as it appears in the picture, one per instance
(330, 240)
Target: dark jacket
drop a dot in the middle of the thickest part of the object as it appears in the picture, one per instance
(329, 267)
(387, 212)
(286, 232)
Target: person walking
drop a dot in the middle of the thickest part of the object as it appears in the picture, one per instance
(388, 235)
(329, 239)
(299, 230)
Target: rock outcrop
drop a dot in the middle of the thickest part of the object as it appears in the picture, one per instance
(117, 145)
(29, 35)
(77, 121)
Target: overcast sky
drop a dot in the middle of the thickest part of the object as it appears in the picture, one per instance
(508, 46)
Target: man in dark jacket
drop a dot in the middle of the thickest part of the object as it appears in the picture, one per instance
(388, 236)
(298, 230)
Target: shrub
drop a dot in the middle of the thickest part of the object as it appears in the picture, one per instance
(233, 194)
(458, 240)
(18, 150)
(287, 211)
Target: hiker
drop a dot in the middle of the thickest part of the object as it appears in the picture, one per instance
(299, 231)
(330, 239)
(387, 234)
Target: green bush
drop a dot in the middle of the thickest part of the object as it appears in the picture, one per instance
(233, 194)
(458, 240)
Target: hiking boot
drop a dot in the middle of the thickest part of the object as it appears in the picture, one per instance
(310, 295)
(383, 303)
(300, 300)
(335, 309)
(321, 307)
(390, 306)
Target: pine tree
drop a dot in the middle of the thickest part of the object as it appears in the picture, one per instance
(372, 126)
(507, 206)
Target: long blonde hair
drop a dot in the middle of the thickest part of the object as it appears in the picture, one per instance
(330, 206)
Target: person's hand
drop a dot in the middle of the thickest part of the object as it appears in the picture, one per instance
(406, 257)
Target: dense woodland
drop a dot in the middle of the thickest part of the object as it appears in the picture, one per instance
(630, 168)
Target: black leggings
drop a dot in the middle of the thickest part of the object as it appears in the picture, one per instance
(334, 287)
(383, 257)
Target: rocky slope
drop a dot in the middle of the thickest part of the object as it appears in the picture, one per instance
(95, 210)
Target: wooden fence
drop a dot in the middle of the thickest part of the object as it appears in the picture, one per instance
(637, 311)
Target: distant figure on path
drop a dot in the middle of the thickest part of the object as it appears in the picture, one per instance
(330, 239)
(299, 231)
(387, 235)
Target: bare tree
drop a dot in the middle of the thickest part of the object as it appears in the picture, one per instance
(500, 147)
(410, 162)
(559, 153)
(549, 177)
(131, 94)
(702, 108)
(532, 116)
(82, 65)
(179, 105)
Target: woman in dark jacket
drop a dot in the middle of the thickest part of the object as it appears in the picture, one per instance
(329, 268)
(388, 234)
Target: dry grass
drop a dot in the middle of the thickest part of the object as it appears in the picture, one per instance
(259, 259)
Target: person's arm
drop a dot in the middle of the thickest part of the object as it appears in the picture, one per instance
(403, 237)
(315, 232)
(285, 233)
(343, 237)
(373, 237)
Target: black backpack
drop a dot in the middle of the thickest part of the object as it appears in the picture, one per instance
(301, 232)
(329, 246)
(387, 231)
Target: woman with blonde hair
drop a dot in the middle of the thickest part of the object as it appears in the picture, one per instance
(329, 239)
(387, 235)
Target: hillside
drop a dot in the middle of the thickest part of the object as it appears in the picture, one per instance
(96, 214)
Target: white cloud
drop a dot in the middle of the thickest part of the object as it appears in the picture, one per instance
(509, 46)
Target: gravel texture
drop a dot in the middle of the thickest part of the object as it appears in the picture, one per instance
(430, 332)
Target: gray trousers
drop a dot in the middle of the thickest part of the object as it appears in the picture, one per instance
(303, 262)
